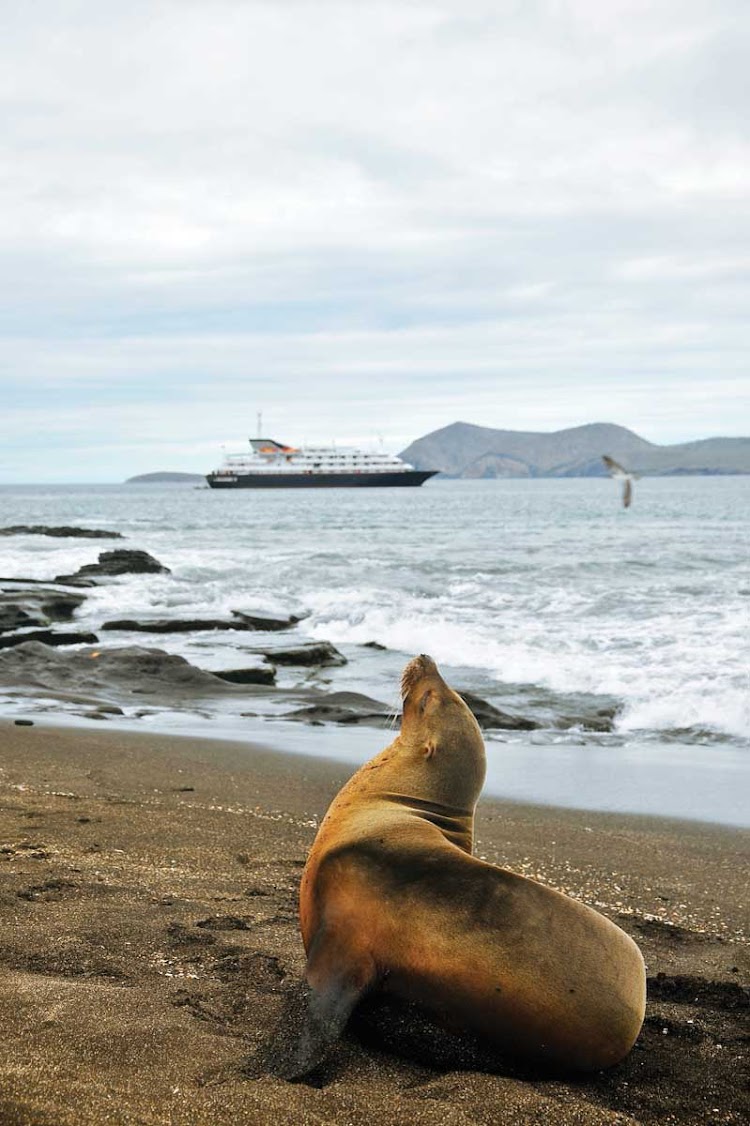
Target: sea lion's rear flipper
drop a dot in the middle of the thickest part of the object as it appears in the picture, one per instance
(336, 979)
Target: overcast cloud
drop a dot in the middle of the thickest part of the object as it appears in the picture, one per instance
(366, 219)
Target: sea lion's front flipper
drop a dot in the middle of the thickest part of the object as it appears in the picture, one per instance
(336, 979)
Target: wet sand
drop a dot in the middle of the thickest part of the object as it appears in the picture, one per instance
(148, 941)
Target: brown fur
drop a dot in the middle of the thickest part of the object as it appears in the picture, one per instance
(391, 897)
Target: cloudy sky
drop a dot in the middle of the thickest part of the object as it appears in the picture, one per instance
(366, 219)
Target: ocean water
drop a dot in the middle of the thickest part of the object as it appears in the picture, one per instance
(545, 597)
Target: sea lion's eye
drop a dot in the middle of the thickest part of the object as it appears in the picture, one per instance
(423, 701)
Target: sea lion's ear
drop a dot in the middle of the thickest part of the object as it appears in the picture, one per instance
(429, 748)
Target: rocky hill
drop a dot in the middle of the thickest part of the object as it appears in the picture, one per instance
(464, 450)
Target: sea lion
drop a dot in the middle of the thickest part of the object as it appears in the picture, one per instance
(392, 898)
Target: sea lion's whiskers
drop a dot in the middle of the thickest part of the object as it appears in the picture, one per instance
(393, 713)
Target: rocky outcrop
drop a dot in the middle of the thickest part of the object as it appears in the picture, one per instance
(602, 719)
(62, 531)
(15, 617)
(344, 708)
(110, 675)
(254, 674)
(121, 561)
(313, 653)
(318, 714)
(60, 606)
(264, 622)
(169, 625)
(564, 713)
(491, 718)
(195, 625)
(130, 674)
(20, 608)
(47, 637)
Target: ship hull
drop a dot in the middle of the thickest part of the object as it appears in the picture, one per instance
(410, 477)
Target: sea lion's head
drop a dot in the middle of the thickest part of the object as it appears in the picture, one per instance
(439, 730)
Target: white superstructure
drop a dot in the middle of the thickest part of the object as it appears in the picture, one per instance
(268, 456)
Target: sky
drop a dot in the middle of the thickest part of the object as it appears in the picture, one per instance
(366, 220)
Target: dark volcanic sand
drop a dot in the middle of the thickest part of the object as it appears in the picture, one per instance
(148, 940)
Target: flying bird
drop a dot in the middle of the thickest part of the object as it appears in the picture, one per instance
(616, 470)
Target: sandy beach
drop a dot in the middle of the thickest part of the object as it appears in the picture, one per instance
(148, 941)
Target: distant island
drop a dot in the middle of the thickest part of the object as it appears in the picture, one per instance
(468, 451)
(165, 479)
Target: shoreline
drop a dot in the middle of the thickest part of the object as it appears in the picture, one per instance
(519, 772)
(243, 752)
(149, 936)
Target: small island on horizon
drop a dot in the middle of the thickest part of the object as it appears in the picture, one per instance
(165, 478)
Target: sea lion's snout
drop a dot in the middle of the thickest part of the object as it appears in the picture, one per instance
(435, 716)
(418, 668)
(426, 695)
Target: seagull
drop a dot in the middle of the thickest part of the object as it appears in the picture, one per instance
(616, 470)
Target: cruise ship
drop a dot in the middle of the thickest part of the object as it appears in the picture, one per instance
(269, 465)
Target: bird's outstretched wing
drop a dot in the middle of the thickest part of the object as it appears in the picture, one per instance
(619, 473)
(613, 467)
(627, 492)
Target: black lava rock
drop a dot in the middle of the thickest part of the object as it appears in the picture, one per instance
(195, 625)
(315, 653)
(121, 561)
(60, 531)
(48, 637)
(21, 608)
(489, 717)
(264, 674)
